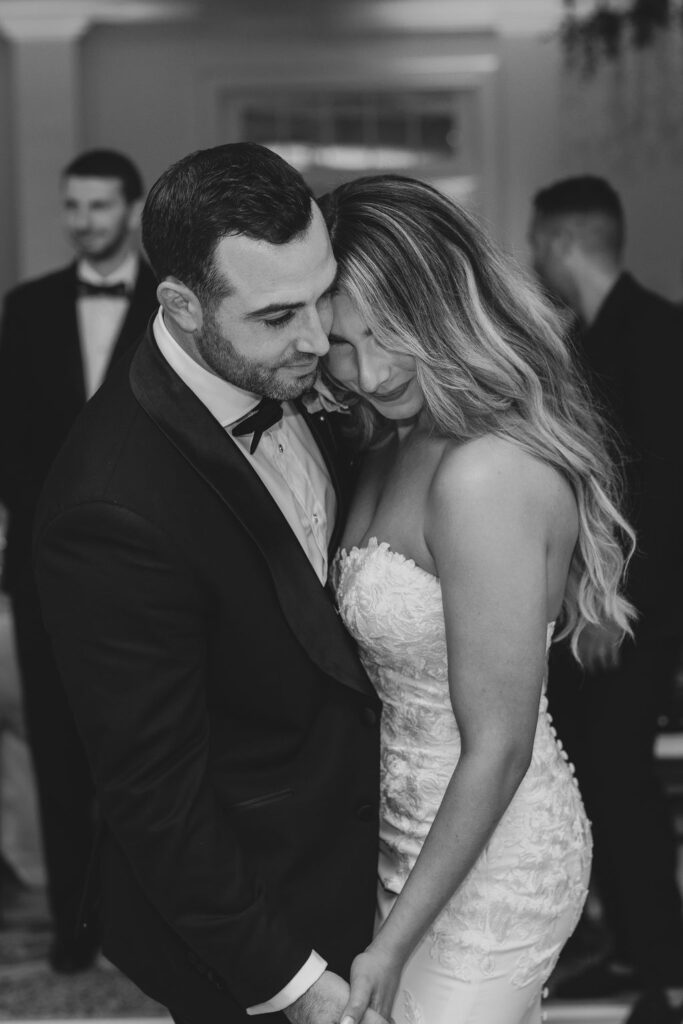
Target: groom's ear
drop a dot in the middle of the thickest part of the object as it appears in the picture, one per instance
(181, 304)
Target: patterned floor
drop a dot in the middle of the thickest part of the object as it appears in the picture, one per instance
(29, 990)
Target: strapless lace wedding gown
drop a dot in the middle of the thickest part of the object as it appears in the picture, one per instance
(487, 956)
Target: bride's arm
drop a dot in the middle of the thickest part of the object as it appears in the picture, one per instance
(487, 528)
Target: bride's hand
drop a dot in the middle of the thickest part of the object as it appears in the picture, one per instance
(374, 980)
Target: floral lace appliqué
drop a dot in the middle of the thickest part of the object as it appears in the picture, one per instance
(411, 1008)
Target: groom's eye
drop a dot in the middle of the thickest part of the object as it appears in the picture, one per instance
(280, 321)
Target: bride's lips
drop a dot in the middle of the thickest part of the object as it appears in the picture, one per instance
(391, 396)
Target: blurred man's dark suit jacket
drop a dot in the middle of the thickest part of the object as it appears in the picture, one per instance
(42, 391)
(633, 357)
(232, 732)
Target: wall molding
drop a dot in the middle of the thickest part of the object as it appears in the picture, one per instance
(27, 20)
(511, 17)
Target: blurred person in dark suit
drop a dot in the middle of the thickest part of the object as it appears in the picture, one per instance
(60, 335)
(630, 342)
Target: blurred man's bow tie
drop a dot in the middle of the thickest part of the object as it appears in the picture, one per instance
(107, 291)
(266, 414)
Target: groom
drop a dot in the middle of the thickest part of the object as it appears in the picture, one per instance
(182, 552)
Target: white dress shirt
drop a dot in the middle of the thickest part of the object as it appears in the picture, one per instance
(290, 464)
(287, 459)
(100, 318)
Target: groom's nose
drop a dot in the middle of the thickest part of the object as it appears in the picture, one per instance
(313, 337)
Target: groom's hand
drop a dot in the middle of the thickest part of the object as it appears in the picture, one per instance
(324, 1002)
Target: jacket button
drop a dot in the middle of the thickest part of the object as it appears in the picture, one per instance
(366, 812)
(369, 716)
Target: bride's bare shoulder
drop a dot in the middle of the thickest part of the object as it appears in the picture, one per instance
(492, 471)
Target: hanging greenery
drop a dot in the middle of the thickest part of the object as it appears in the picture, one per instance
(602, 32)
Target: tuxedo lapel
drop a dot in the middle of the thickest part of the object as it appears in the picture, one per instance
(195, 433)
(141, 306)
(65, 325)
(607, 329)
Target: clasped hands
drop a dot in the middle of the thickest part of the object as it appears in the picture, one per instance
(367, 998)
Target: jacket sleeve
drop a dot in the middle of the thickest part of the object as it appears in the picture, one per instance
(15, 403)
(655, 415)
(129, 625)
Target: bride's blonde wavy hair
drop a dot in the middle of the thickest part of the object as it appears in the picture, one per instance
(491, 358)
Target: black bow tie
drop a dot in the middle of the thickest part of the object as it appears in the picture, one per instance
(267, 413)
(109, 291)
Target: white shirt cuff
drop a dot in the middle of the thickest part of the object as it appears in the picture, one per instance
(313, 969)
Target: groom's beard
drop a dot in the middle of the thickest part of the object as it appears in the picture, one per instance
(269, 381)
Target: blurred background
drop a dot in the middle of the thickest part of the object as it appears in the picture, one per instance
(490, 100)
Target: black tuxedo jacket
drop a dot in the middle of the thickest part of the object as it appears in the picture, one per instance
(232, 732)
(633, 353)
(42, 390)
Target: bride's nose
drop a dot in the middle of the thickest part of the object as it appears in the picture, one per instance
(373, 371)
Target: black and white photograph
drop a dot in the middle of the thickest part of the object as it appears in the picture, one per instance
(341, 511)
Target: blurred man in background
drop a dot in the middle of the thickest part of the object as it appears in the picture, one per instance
(60, 335)
(630, 342)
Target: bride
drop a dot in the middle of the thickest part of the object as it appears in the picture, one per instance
(485, 514)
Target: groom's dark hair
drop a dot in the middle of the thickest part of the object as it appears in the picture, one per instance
(237, 189)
